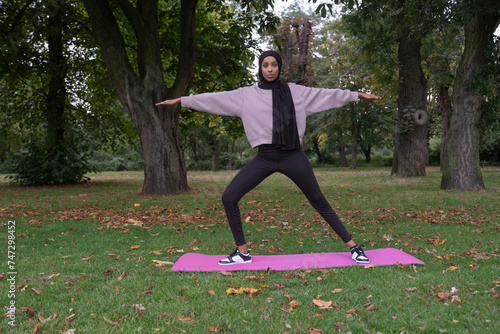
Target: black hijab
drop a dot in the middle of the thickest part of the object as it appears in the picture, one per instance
(285, 133)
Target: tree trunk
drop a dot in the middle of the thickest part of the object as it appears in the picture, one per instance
(445, 106)
(411, 150)
(56, 71)
(317, 150)
(355, 133)
(340, 140)
(461, 169)
(215, 153)
(164, 166)
(367, 152)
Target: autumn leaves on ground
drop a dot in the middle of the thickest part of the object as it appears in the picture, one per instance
(96, 258)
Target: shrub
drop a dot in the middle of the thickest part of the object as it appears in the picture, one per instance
(37, 165)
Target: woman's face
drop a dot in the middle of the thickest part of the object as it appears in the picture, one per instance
(270, 69)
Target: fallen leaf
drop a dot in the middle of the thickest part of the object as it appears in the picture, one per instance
(134, 222)
(293, 304)
(316, 331)
(214, 328)
(115, 256)
(108, 272)
(156, 252)
(336, 290)
(211, 292)
(69, 319)
(38, 292)
(162, 263)
(37, 328)
(133, 247)
(122, 276)
(450, 269)
(46, 278)
(444, 295)
(323, 304)
(411, 289)
(241, 290)
(226, 273)
(371, 308)
(109, 321)
(353, 311)
(185, 319)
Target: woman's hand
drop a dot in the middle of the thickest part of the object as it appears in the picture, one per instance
(169, 102)
(369, 97)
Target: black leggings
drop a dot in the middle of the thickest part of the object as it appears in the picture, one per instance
(293, 164)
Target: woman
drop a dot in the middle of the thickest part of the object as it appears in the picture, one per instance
(274, 118)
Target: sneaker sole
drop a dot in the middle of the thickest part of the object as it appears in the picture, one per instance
(362, 262)
(231, 263)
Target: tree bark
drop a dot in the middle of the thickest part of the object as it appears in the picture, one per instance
(56, 71)
(411, 150)
(317, 150)
(164, 166)
(215, 153)
(340, 140)
(461, 169)
(355, 133)
(367, 152)
(445, 106)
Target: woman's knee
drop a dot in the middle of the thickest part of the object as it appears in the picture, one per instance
(228, 198)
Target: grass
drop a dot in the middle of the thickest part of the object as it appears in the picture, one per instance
(73, 244)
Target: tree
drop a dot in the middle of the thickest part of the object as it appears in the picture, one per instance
(410, 151)
(35, 36)
(140, 86)
(461, 169)
(382, 26)
(337, 65)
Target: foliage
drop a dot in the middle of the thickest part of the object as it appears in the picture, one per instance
(37, 165)
(337, 66)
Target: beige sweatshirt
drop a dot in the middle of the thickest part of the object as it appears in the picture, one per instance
(254, 106)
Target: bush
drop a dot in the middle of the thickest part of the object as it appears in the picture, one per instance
(36, 165)
(435, 151)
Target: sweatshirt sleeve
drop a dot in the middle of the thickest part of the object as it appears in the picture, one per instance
(228, 103)
(316, 100)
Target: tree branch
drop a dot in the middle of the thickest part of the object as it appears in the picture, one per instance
(187, 53)
(112, 46)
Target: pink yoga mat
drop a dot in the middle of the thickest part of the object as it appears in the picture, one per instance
(378, 257)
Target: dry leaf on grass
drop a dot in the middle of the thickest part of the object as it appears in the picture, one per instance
(122, 276)
(159, 263)
(110, 321)
(214, 328)
(316, 331)
(323, 304)
(188, 320)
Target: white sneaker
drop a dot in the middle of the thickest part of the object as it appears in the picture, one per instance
(358, 255)
(235, 258)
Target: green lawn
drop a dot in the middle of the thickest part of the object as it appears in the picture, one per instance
(84, 257)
